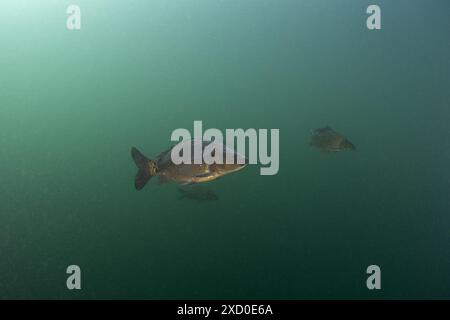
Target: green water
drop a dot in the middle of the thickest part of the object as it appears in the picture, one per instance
(72, 103)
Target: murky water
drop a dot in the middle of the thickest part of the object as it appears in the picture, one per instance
(72, 103)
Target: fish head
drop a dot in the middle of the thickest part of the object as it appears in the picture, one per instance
(239, 162)
(225, 168)
(347, 145)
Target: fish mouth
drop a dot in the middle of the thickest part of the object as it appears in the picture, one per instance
(246, 163)
(237, 168)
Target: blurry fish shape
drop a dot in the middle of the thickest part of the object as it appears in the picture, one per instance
(184, 173)
(328, 140)
(199, 194)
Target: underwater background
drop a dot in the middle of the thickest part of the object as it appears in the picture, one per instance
(72, 103)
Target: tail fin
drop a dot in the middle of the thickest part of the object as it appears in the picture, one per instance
(146, 168)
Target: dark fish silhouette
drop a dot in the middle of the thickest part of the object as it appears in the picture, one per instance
(199, 194)
(183, 173)
(328, 140)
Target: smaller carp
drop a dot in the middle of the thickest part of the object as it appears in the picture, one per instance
(328, 140)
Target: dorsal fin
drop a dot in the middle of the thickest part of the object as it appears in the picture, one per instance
(326, 129)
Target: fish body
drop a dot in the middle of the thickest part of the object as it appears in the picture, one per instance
(328, 140)
(197, 171)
